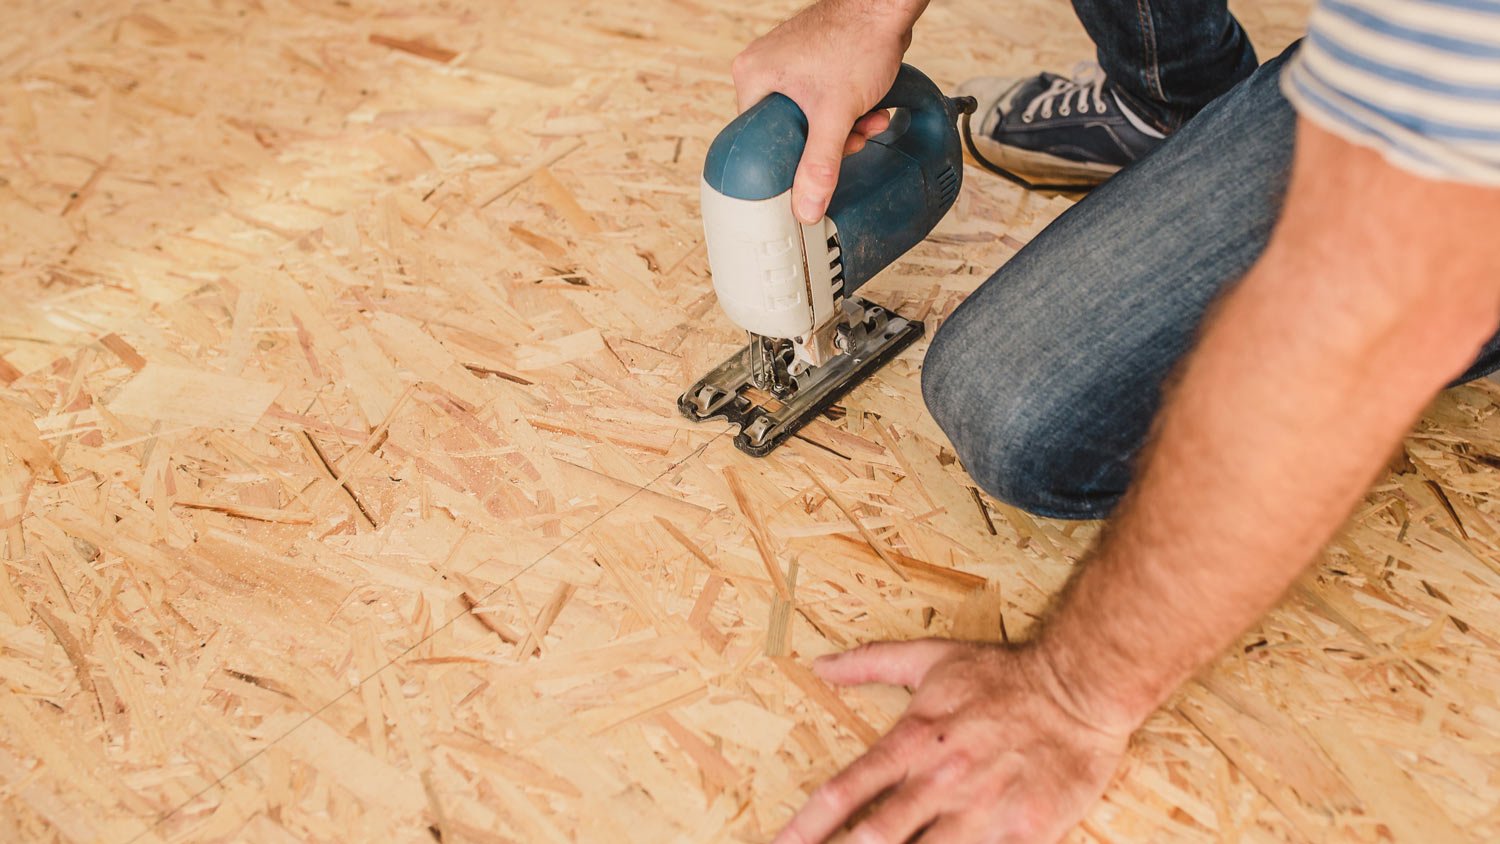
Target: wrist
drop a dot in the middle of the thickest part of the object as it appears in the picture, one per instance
(887, 17)
(1101, 694)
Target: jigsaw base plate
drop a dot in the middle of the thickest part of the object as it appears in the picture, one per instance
(875, 336)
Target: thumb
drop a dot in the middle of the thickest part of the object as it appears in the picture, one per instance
(894, 663)
(818, 173)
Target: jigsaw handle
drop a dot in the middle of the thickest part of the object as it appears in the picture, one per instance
(890, 195)
(894, 192)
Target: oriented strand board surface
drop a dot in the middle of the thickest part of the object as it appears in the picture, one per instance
(342, 497)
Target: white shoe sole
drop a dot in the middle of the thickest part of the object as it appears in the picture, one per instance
(1039, 167)
(1028, 167)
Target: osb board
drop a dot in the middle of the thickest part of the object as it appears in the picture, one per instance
(343, 497)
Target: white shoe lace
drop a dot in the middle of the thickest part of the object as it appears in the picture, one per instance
(1084, 92)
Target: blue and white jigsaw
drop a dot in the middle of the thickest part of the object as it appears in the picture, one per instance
(789, 285)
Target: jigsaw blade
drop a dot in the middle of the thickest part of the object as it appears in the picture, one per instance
(766, 421)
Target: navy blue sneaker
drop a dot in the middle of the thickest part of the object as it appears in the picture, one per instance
(1052, 132)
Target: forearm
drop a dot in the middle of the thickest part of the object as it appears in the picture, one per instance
(901, 15)
(1302, 384)
(871, 21)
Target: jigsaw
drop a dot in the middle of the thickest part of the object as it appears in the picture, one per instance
(791, 286)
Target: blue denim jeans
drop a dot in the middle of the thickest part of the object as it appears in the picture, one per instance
(1047, 377)
(1168, 58)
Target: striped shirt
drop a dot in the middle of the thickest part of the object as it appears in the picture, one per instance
(1417, 79)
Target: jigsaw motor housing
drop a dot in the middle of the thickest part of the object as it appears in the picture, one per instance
(790, 286)
(776, 277)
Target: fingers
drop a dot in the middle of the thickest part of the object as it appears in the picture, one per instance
(750, 85)
(865, 128)
(964, 828)
(873, 123)
(746, 96)
(1010, 819)
(832, 133)
(900, 816)
(895, 663)
(818, 173)
(834, 801)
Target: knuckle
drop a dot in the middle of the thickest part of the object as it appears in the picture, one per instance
(819, 168)
(832, 794)
(1028, 818)
(1011, 764)
(958, 766)
(910, 736)
(924, 731)
(867, 833)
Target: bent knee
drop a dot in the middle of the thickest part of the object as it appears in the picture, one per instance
(1022, 439)
(1034, 475)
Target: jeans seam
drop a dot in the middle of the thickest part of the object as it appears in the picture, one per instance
(1152, 70)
